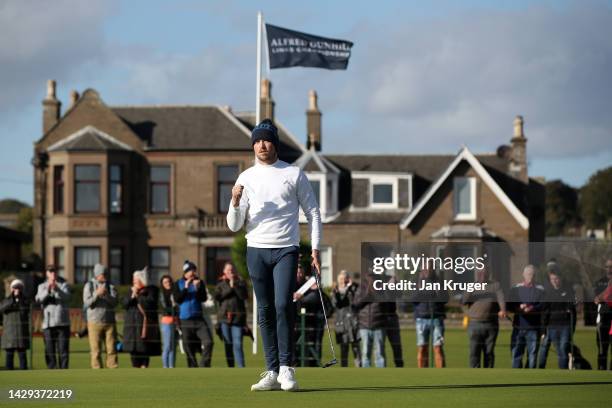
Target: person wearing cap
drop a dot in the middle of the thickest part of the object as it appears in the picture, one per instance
(266, 200)
(141, 336)
(53, 295)
(558, 317)
(15, 310)
(190, 293)
(100, 300)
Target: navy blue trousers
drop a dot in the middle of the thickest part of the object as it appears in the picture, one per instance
(273, 273)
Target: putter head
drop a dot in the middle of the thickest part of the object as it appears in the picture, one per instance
(331, 363)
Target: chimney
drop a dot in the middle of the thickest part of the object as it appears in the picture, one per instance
(313, 122)
(51, 107)
(267, 104)
(74, 97)
(518, 156)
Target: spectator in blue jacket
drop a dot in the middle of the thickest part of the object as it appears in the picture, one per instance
(526, 298)
(189, 293)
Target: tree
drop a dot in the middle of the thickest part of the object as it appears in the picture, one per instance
(24, 220)
(595, 199)
(25, 224)
(238, 251)
(561, 207)
(11, 206)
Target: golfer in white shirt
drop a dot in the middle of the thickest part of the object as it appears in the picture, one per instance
(266, 199)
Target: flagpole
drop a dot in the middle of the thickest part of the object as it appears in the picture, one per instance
(258, 87)
(257, 120)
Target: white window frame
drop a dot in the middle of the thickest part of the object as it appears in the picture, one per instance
(326, 208)
(394, 191)
(471, 216)
(327, 266)
(384, 178)
(320, 177)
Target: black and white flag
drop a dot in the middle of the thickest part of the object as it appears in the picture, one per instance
(288, 48)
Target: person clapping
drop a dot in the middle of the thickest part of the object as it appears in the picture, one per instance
(141, 336)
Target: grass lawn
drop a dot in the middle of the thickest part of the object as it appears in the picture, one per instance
(456, 349)
(455, 386)
(340, 387)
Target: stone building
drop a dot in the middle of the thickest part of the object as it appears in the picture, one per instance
(149, 185)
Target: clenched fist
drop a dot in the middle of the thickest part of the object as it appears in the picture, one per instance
(237, 194)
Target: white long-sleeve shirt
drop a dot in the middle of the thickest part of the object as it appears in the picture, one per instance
(270, 205)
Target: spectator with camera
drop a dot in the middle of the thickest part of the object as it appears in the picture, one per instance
(190, 293)
(141, 337)
(100, 300)
(169, 321)
(53, 295)
(558, 318)
(347, 323)
(231, 294)
(15, 309)
(314, 323)
(527, 323)
(485, 309)
(372, 323)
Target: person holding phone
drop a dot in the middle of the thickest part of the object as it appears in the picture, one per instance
(231, 294)
(15, 311)
(53, 295)
(100, 299)
(141, 335)
(189, 293)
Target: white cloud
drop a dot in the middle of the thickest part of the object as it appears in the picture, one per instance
(46, 40)
(463, 78)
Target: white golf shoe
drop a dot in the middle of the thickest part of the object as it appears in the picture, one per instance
(286, 378)
(268, 382)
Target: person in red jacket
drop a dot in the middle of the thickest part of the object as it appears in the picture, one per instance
(604, 316)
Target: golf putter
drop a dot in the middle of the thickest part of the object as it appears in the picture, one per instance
(331, 344)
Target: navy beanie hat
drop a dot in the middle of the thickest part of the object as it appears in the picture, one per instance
(189, 266)
(265, 131)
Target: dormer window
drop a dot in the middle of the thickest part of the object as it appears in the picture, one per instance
(324, 188)
(382, 193)
(464, 198)
(323, 176)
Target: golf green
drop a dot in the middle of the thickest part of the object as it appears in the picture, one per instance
(455, 386)
(319, 387)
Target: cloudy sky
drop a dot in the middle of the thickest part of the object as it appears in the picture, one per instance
(425, 77)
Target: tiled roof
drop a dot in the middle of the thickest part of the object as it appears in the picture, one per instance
(185, 127)
(427, 166)
(88, 139)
